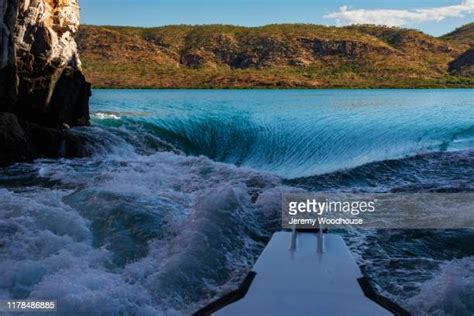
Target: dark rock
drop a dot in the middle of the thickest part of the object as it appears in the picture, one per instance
(14, 143)
(193, 59)
(7, 52)
(48, 142)
(464, 64)
(345, 48)
(7, 89)
(22, 141)
(70, 102)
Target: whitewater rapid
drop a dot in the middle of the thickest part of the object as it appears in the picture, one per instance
(182, 190)
(141, 234)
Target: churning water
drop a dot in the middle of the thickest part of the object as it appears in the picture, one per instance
(184, 188)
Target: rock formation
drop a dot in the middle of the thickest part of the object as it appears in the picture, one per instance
(464, 64)
(42, 88)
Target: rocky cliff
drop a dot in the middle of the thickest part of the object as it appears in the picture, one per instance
(43, 91)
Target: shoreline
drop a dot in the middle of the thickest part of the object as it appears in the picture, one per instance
(284, 88)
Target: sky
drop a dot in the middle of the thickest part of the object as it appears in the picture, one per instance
(434, 17)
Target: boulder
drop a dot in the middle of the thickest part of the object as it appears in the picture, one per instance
(14, 143)
(46, 142)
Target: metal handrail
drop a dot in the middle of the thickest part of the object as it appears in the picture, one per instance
(293, 239)
(320, 237)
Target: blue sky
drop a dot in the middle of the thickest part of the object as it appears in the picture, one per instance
(431, 16)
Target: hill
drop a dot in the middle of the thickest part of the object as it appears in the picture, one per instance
(464, 64)
(462, 35)
(288, 55)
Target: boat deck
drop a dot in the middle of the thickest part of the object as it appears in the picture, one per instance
(294, 278)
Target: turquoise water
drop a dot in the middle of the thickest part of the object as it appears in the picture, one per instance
(182, 190)
(298, 132)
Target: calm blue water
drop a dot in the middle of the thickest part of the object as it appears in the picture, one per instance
(183, 189)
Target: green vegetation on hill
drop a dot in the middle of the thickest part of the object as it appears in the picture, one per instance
(463, 65)
(462, 35)
(286, 55)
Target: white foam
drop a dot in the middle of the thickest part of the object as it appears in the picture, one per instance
(106, 116)
(64, 242)
(450, 292)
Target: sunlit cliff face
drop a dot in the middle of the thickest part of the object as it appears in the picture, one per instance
(37, 51)
(45, 29)
(44, 46)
